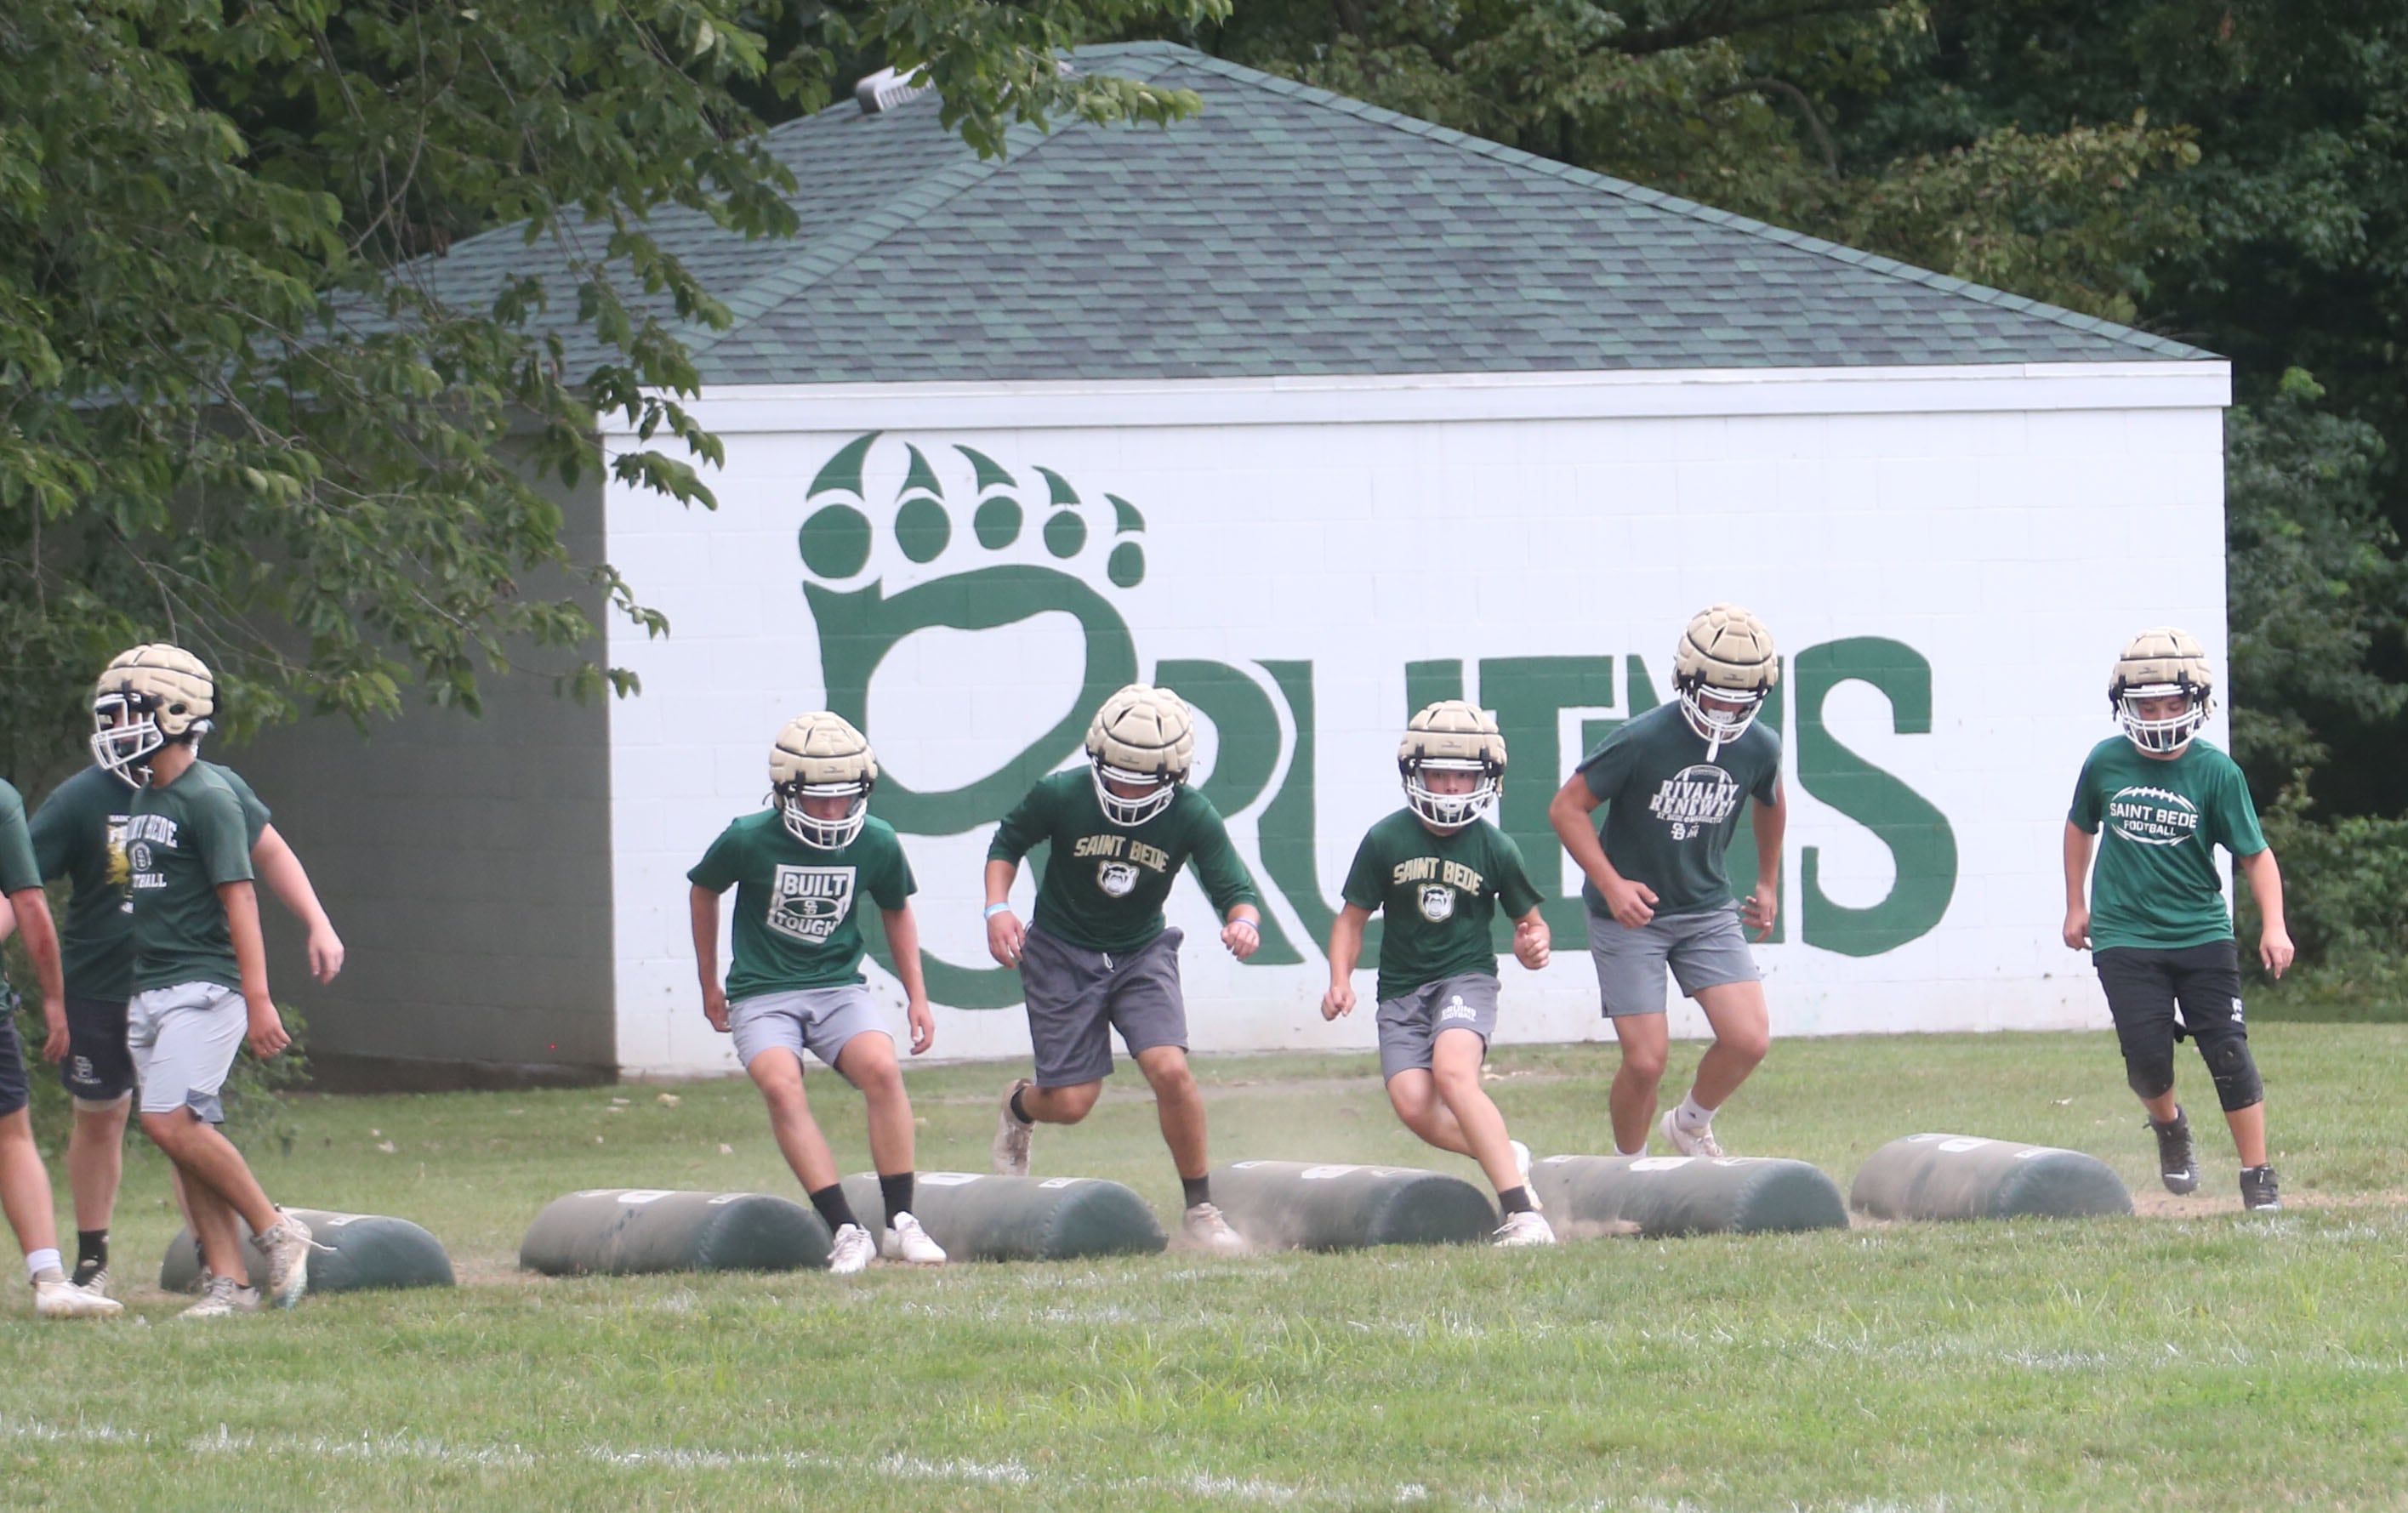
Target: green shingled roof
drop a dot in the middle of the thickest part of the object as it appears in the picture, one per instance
(1285, 231)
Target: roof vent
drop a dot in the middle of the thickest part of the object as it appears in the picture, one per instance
(886, 89)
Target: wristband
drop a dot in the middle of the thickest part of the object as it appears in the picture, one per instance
(993, 909)
(1251, 925)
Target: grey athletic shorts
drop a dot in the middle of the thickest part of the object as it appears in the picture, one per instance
(1077, 997)
(183, 1040)
(1704, 950)
(817, 1019)
(1409, 1025)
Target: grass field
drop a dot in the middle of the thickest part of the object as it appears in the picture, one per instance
(2190, 1358)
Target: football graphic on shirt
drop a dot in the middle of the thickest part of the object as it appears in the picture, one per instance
(2152, 816)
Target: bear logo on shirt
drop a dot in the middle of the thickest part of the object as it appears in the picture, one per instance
(1438, 903)
(1118, 879)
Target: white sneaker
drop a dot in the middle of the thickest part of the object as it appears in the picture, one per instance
(1011, 1136)
(851, 1250)
(906, 1241)
(55, 1297)
(1524, 1229)
(1702, 1143)
(1207, 1231)
(1522, 1169)
(97, 1282)
(287, 1246)
(223, 1297)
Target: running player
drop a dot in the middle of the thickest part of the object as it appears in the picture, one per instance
(1436, 870)
(800, 869)
(2155, 920)
(1673, 780)
(1097, 957)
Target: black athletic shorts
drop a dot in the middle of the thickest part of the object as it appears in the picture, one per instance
(98, 1068)
(2146, 988)
(15, 1092)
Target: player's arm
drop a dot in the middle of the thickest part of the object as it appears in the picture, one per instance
(1533, 942)
(32, 920)
(2265, 879)
(1345, 949)
(1028, 823)
(1228, 885)
(241, 902)
(273, 860)
(903, 940)
(1631, 904)
(702, 906)
(1769, 821)
(2077, 877)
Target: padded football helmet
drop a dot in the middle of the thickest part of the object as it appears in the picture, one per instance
(819, 755)
(1450, 735)
(1726, 652)
(2161, 663)
(1142, 735)
(148, 696)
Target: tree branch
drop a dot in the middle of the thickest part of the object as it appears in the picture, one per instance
(1797, 97)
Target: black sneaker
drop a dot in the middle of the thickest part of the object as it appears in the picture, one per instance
(2177, 1168)
(2261, 1194)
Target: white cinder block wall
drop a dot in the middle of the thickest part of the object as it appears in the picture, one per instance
(1317, 552)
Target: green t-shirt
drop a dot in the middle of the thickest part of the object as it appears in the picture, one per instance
(18, 871)
(1104, 883)
(80, 835)
(1438, 893)
(1668, 812)
(797, 920)
(183, 841)
(2155, 884)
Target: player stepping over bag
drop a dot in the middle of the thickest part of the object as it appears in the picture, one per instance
(1437, 871)
(2157, 801)
(24, 1185)
(79, 839)
(1097, 957)
(200, 969)
(800, 869)
(1672, 782)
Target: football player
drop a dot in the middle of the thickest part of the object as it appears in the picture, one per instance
(200, 969)
(2155, 920)
(1097, 957)
(24, 1185)
(800, 869)
(78, 836)
(1673, 780)
(1436, 870)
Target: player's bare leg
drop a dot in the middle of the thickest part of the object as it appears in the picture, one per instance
(1646, 1043)
(1413, 1095)
(1178, 1103)
(779, 1077)
(1742, 1028)
(1062, 1106)
(96, 1159)
(218, 1233)
(1455, 1067)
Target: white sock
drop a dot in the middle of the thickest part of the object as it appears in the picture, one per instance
(1692, 1117)
(1640, 1151)
(39, 1261)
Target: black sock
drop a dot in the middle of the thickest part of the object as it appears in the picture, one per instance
(1199, 1189)
(92, 1254)
(1019, 1109)
(895, 1193)
(829, 1201)
(1515, 1200)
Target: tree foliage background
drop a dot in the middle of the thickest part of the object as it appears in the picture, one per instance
(232, 412)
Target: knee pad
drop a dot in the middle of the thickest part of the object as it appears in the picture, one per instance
(2151, 1072)
(2228, 1058)
(102, 1105)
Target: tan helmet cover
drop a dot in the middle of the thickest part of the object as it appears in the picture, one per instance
(1727, 648)
(2161, 657)
(820, 749)
(174, 686)
(1453, 730)
(1145, 730)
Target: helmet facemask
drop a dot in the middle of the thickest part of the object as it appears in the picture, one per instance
(1717, 727)
(148, 697)
(1450, 811)
(1454, 737)
(2161, 663)
(819, 755)
(1143, 737)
